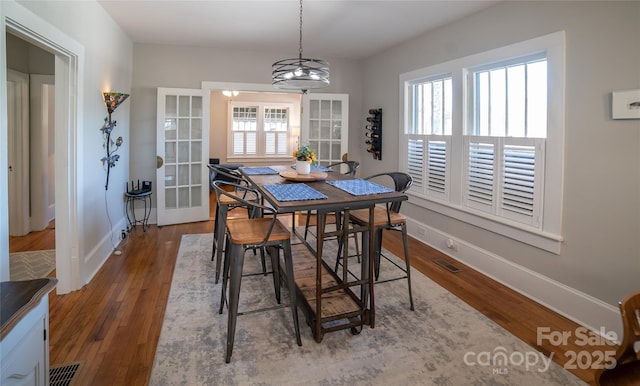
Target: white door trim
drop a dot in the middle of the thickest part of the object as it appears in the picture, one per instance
(69, 75)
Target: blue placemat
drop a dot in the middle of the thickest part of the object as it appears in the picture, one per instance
(294, 192)
(316, 168)
(258, 170)
(359, 187)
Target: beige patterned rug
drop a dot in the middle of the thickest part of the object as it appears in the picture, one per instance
(443, 342)
(31, 265)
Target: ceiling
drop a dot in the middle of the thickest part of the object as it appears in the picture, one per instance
(348, 29)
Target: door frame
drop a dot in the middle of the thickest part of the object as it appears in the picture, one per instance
(69, 74)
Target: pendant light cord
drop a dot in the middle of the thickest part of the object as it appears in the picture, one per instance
(300, 50)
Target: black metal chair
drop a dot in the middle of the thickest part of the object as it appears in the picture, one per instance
(254, 233)
(224, 205)
(351, 169)
(387, 218)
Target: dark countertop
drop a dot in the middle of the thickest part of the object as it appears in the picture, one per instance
(17, 298)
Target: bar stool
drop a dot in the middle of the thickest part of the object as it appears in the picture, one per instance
(387, 218)
(251, 233)
(225, 204)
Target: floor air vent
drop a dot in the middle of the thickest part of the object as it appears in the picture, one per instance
(64, 375)
(448, 266)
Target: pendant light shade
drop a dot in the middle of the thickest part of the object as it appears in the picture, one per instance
(300, 73)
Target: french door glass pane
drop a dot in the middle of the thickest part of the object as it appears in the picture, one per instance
(170, 175)
(170, 201)
(171, 106)
(183, 197)
(196, 151)
(170, 152)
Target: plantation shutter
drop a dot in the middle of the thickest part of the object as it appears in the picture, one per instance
(438, 167)
(480, 173)
(521, 182)
(415, 163)
(503, 176)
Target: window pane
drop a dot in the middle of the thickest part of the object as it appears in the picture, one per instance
(482, 104)
(196, 151)
(497, 91)
(537, 99)
(184, 106)
(516, 101)
(171, 105)
(170, 128)
(448, 106)
(436, 120)
(183, 175)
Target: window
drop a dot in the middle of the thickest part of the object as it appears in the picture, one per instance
(259, 130)
(429, 135)
(483, 139)
(504, 152)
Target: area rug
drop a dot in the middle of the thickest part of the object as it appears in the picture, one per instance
(443, 342)
(31, 265)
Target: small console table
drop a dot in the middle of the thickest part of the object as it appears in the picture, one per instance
(139, 194)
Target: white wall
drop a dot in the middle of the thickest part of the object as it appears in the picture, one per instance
(107, 66)
(600, 258)
(187, 67)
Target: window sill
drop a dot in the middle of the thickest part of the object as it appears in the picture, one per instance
(536, 238)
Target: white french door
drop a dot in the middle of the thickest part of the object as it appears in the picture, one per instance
(183, 153)
(325, 125)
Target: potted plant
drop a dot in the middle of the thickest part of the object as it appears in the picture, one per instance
(304, 156)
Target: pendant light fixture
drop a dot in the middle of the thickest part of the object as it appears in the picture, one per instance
(300, 73)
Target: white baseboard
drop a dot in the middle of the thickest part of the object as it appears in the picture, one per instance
(581, 308)
(95, 258)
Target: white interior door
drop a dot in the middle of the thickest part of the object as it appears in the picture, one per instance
(183, 153)
(18, 151)
(325, 125)
(42, 159)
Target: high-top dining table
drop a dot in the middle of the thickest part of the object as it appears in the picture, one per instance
(327, 298)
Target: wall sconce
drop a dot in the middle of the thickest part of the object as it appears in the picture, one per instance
(112, 100)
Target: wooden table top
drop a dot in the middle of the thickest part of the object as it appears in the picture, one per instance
(20, 297)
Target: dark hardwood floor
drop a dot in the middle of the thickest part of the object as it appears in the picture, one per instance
(113, 323)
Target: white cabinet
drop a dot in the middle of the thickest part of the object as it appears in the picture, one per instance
(24, 349)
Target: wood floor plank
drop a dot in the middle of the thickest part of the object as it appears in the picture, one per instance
(113, 323)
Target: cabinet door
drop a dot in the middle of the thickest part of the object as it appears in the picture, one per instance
(25, 352)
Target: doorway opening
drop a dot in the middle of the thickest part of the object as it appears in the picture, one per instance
(68, 62)
(31, 139)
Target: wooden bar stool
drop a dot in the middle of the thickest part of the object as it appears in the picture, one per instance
(225, 204)
(387, 218)
(252, 233)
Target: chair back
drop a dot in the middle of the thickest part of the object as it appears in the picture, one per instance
(250, 198)
(401, 182)
(227, 174)
(352, 167)
(627, 361)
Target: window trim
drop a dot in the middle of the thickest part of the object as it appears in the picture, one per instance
(549, 236)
